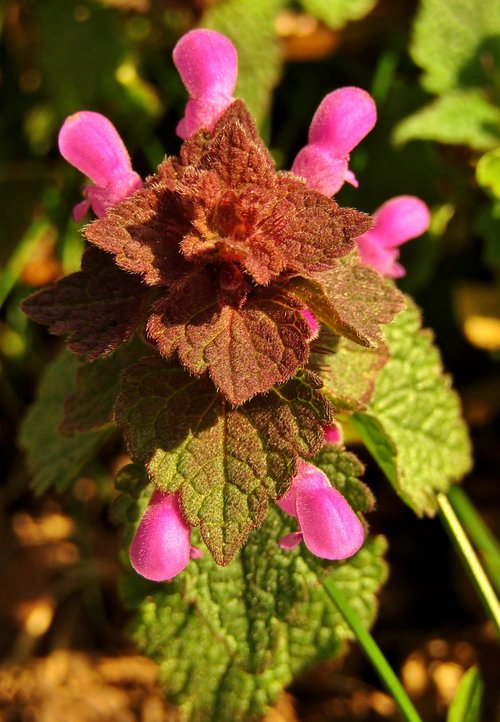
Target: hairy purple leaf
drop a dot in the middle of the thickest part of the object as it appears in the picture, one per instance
(99, 306)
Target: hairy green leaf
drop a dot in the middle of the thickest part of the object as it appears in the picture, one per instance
(463, 117)
(413, 425)
(226, 461)
(457, 43)
(348, 370)
(352, 300)
(336, 13)
(229, 639)
(97, 386)
(54, 458)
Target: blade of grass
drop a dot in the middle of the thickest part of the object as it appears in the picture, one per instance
(486, 544)
(24, 250)
(470, 559)
(373, 653)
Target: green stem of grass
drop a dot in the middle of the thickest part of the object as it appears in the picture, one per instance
(482, 538)
(470, 560)
(373, 653)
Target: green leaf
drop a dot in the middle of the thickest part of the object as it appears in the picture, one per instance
(457, 43)
(249, 24)
(97, 386)
(336, 13)
(229, 639)
(458, 118)
(348, 370)
(55, 459)
(226, 461)
(466, 704)
(352, 300)
(488, 172)
(413, 425)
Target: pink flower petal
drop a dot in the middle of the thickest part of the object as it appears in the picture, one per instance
(374, 254)
(396, 221)
(203, 113)
(195, 553)
(208, 65)
(333, 434)
(342, 120)
(308, 476)
(312, 322)
(161, 546)
(91, 143)
(400, 219)
(321, 172)
(330, 528)
(290, 541)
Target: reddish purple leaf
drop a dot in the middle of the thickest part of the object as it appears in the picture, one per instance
(99, 306)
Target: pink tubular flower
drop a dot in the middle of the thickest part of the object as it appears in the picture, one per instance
(161, 546)
(341, 121)
(312, 321)
(208, 65)
(91, 143)
(333, 433)
(327, 524)
(396, 221)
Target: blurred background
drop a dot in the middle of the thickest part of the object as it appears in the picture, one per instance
(435, 76)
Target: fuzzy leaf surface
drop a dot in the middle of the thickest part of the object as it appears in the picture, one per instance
(54, 458)
(352, 300)
(413, 424)
(348, 370)
(226, 462)
(218, 232)
(99, 306)
(245, 350)
(457, 43)
(97, 386)
(229, 639)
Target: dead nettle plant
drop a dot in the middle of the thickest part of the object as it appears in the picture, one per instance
(229, 319)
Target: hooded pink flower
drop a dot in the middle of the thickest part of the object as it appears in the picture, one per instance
(327, 524)
(341, 121)
(161, 547)
(208, 65)
(91, 143)
(396, 221)
(333, 433)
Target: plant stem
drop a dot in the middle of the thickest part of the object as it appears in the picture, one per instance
(480, 535)
(469, 557)
(374, 653)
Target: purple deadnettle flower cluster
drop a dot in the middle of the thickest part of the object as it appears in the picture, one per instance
(207, 63)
